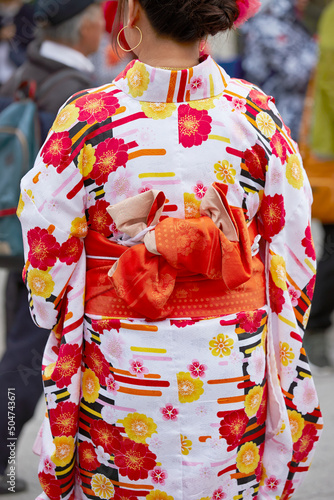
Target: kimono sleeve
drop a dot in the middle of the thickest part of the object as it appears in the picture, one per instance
(52, 215)
(284, 217)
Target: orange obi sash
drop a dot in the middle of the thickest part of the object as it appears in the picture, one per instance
(181, 268)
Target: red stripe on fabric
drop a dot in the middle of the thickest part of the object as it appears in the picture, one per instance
(251, 110)
(73, 326)
(299, 469)
(295, 336)
(228, 469)
(234, 152)
(243, 385)
(252, 437)
(145, 382)
(75, 190)
(183, 83)
(132, 144)
(170, 208)
(7, 211)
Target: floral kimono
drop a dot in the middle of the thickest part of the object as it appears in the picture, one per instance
(175, 368)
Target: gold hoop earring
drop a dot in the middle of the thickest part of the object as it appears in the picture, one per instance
(133, 48)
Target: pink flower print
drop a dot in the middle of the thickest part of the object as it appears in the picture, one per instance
(294, 295)
(194, 126)
(195, 83)
(145, 188)
(197, 369)
(218, 494)
(272, 483)
(200, 190)
(158, 475)
(49, 467)
(169, 412)
(112, 385)
(137, 368)
(239, 105)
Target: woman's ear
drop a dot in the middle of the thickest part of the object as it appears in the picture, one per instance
(133, 12)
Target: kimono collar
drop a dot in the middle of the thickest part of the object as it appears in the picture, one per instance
(146, 83)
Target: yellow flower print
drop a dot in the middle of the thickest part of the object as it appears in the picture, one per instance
(90, 386)
(221, 345)
(64, 450)
(297, 424)
(190, 389)
(282, 429)
(186, 445)
(138, 427)
(224, 171)
(253, 400)
(203, 103)
(248, 458)
(86, 159)
(20, 207)
(294, 172)
(191, 206)
(65, 119)
(102, 486)
(79, 227)
(40, 283)
(278, 271)
(158, 495)
(158, 110)
(138, 79)
(286, 353)
(265, 124)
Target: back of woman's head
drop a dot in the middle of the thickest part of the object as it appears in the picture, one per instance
(189, 20)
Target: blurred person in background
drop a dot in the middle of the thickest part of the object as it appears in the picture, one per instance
(322, 145)
(16, 32)
(67, 33)
(279, 55)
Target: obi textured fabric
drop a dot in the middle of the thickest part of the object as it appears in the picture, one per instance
(195, 405)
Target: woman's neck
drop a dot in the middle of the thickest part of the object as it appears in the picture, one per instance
(166, 53)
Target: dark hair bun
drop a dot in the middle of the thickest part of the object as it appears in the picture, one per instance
(190, 20)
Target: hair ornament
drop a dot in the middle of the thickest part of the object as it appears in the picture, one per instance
(247, 9)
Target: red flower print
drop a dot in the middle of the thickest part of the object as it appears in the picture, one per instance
(276, 297)
(134, 460)
(49, 485)
(305, 443)
(64, 418)
(259, 99)
(87, 456)
(70, 251)
(194, 126)
(110, 154)
(200, 190)
(273, 216)
(96, 107)
(261, 413)
(57, 149)
(182, 323)
(111, 384)
(169, 412)
(121, 494)
(272, 483)
(233, 426)
(99, 219)
(310, 287)
(99, 325)
(307, 242)
(288, 491)
(197, 369)
(218, 494)
(250, 321)
(137, 368)
(105, 435)
(43, 248)
(68, 363)
(158, 475)
(256, 161)
(95, 360)
(279, 146)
